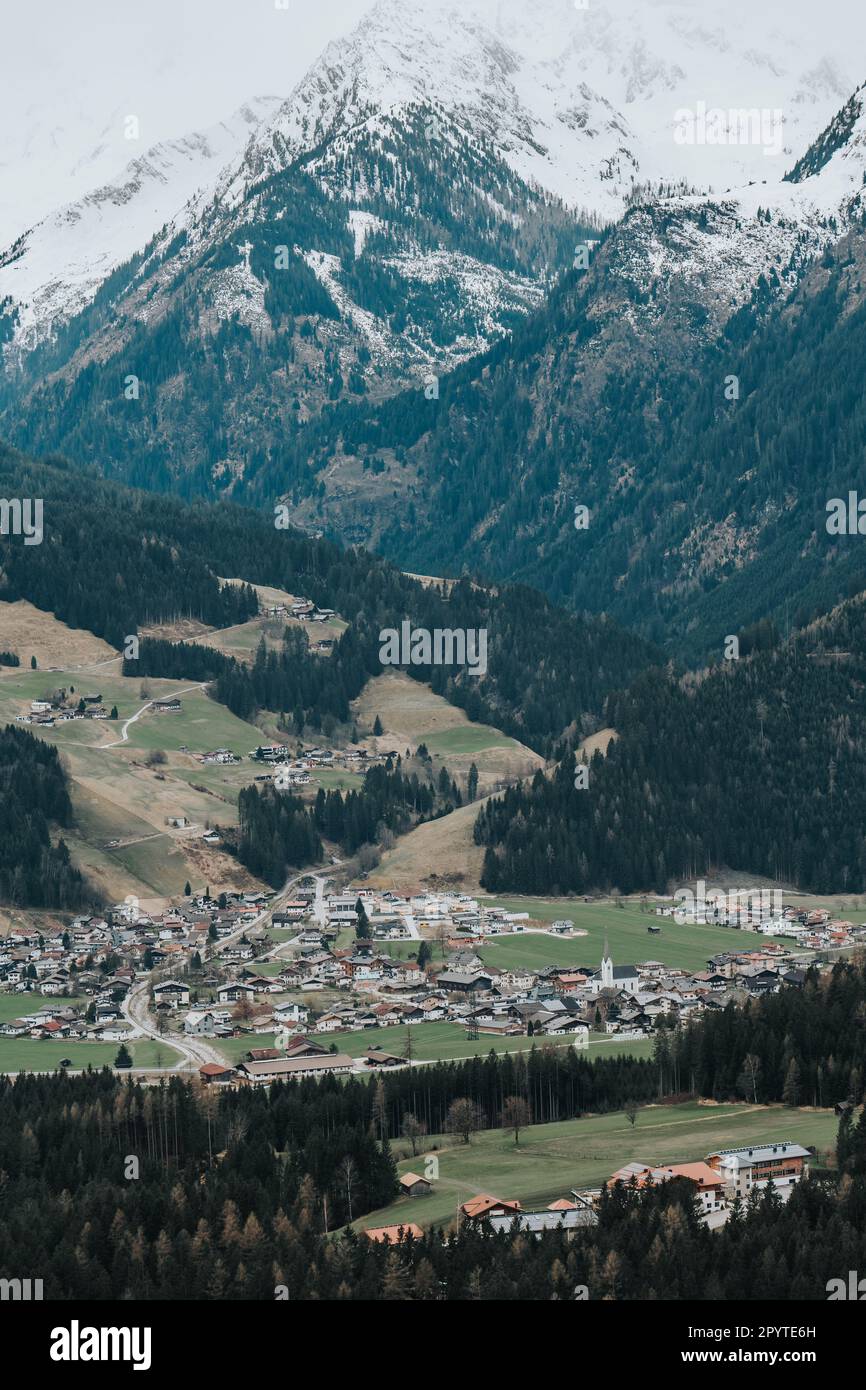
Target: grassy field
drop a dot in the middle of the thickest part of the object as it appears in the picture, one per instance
(34, 1054)
(235, 1049)
(412, 714)
(443, 846)
(201, 724)
(554, 1158)
(472, 738)
(31, 1054)
(29, 631)
(688, 947)
(29, 1002)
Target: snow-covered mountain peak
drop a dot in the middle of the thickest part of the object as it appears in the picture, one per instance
(584, 102)
(55, 268)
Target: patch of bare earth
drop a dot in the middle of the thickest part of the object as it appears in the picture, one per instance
(181, 630)
(439, 853)
(28, 632)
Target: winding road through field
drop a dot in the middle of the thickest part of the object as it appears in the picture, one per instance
(133, 719)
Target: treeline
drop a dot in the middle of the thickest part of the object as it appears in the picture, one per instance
(760, 766)
(388, 799)
(33, 796)
(277, 831)
(9, 659)
(306, 688)
(111, 559)
(120, 559)
(801, 1046)
(558, 1084)
(167, 660)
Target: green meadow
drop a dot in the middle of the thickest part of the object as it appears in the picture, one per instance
(552, 1159)
(36, 1054)
(30, 1054)
(685, 946)
(466, 738)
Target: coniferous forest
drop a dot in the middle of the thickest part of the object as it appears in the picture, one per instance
(278, 832)
(34, 870)
(242, 1194)
(547, 668)
(758, 763)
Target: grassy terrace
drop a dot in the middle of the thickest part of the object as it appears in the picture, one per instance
(554, 1158)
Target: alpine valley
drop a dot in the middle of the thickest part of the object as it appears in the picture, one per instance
(433, 663)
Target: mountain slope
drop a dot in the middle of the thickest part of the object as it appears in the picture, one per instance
(247, 323)
(582, 101)
(422, 125)
(53, 270)
(547, 671)
(359, 316)
(759, 766)
(689, 390)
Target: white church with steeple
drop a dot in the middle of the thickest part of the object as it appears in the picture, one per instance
(612, 976)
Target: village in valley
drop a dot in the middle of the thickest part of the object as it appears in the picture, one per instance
(248, 989)
(433, 666)
(390, 959)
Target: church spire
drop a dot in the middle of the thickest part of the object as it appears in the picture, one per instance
(606, 966)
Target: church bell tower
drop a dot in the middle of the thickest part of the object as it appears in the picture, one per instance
(606, 967)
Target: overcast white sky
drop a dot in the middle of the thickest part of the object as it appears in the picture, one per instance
(181, 62)
(72, 71)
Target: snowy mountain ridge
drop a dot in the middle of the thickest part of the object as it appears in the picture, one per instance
(53, 270)
(581, 102)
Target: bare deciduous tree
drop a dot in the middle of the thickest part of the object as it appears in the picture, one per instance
(412, 1129)
(516, 1115)
(748, 1078)
(464, 1118)
(349, 1178)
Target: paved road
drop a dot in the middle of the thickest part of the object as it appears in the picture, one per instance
(196, 1051)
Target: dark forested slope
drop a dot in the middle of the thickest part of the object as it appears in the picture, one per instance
(759, 765)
